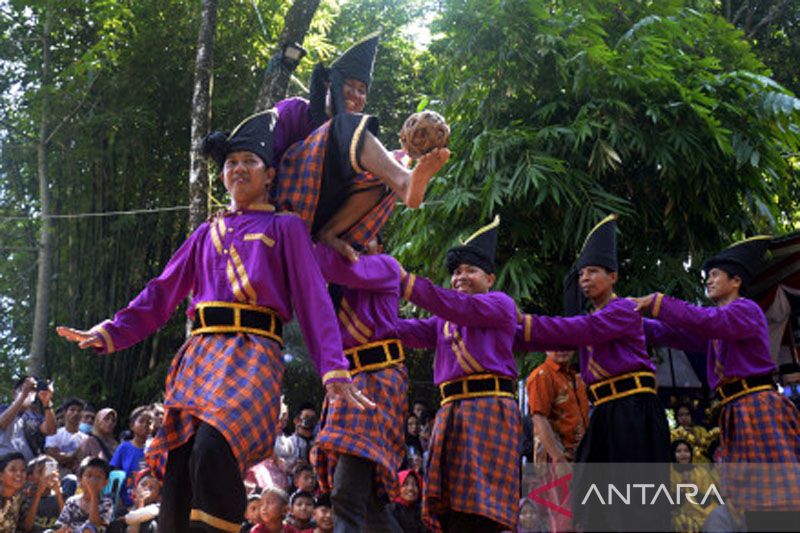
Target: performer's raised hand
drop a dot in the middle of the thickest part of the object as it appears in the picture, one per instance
(643, 302)
(85, 339)
(349, 393)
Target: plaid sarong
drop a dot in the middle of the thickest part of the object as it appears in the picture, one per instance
(298, 185)
(755, 429)
(233, 383)
(377, 435)
(474, 461)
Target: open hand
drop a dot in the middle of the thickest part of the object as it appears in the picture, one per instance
(347, 391)
(85, 339)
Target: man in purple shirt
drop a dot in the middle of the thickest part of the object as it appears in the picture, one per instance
(628, 423)
(472, 480)
(248, 270)
(353, 446)
(757, 425)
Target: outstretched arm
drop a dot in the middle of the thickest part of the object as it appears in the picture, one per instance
(493, 309)
(737, 320)
(150, 309)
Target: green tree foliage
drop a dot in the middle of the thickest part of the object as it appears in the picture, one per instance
(565, 112)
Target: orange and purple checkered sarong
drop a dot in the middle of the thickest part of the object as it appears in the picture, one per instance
(299, 187)
(474, 461)
(760, 452)
(233, 383)
(377, 434)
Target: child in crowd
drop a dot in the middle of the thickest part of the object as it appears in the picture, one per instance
(323, 515)
(42, 499)
(407, 508)
(88, 510)
(274, 505)
(301, 510)
(304, 478)
(129, 456)
(251, 513)
(12, 478)
(146, 504)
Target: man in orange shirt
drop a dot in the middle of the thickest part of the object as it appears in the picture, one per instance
(560, 411)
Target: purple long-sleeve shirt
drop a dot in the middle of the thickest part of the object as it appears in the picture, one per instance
(610, 340)
(472, 334)
(294, 124)
(252, 257)
(734, 336)
(371, 291)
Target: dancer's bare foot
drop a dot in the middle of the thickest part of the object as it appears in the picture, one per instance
(427, 167)
(339, 245)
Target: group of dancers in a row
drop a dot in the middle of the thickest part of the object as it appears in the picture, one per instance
(309, 195)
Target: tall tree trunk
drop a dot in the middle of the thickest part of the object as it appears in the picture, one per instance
(276, 77)
(201, 114)
(36, 362)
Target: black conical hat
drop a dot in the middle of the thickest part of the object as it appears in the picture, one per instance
(599, 249)
(743, 258)
(253, 134)
(358, 62)
(479, 249)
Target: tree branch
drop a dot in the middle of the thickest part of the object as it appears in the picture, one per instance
(774, 12)
(73, 112)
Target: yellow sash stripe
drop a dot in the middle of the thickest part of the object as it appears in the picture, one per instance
(260, 237)
(242, 272)
(597, 369)
(344, 318)
(467, 355)
(237, 289)
(215, 238)
(354, 317)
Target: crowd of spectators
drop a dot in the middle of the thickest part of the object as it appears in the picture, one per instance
(74, 469)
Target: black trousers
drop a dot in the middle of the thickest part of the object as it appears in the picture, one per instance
(356, 508)
(203, 490)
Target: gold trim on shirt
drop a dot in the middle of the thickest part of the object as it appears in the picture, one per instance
(354, 144)
(242, 272)
(259, 237)
(333, 374)
(106, 337)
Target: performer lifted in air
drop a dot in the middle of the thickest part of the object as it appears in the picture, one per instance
(345, 201)
(472, 481)
(248, 270)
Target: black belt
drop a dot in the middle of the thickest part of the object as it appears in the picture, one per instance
(730, 391)
(230, 317)
(375, 355)
(477, 386)
(621, 386)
